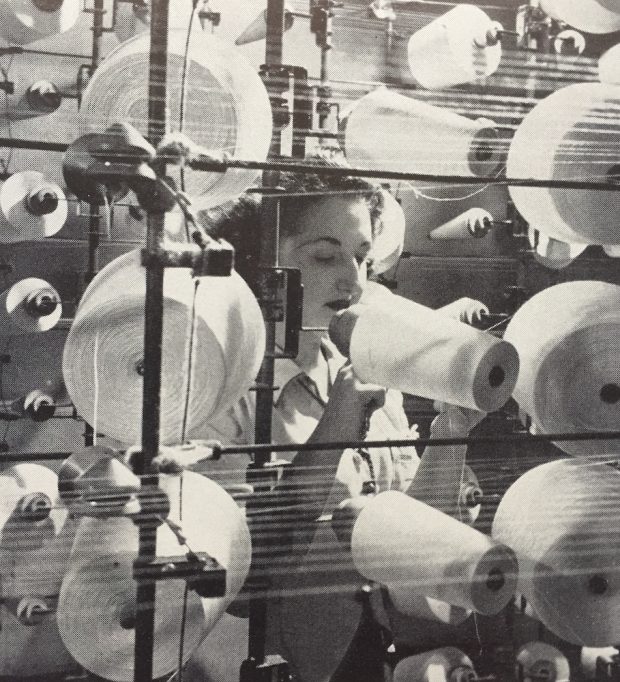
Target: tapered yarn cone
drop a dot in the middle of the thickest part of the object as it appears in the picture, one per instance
(441, 358)
(593, 16)
(447, 664)
(538, 661)
(24, 21)
(399, 541)
(458, 47)
(386, 130)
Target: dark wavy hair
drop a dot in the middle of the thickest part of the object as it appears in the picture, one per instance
(239, 222)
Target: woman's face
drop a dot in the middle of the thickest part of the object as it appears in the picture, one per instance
(332, 249)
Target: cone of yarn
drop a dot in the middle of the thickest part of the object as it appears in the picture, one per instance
(103, 355)
(447, 664)
(24, 21)
(399, 541)
(473, 223)
(553, 253)
(35, 532)
(96, 608)
(570, 135)
(567, 337)
(400, 344)
(589, 657)
(559, 518)
(609, 66)
(612, 251)
(592, 16)
(541, 661)
(222, 89)
(390, 236)
(459, 47)
(31, 208)
(34, 99)
(29, 306)
(386, 130)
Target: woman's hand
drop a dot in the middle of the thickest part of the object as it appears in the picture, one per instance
(465, 310)
(174, 459)
(351, 404)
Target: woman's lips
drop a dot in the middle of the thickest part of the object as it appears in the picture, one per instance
(339, 304)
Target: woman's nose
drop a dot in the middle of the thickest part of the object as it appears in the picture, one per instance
(350, 279)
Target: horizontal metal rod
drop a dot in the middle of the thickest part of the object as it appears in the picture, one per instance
(281, 165)
(343, 445)
(404, 442)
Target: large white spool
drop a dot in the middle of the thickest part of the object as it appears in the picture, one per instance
(593, 16)
(29, 306)
(104, 349)
(98, 591)
(570, 135)
(227, 109)
(459, 47)
(561, 520)
(24, 21)
(386, 130)
(442, 359)
(568, 340)
(399, 541)
(447, 664)
(609, 66)
(31, 208)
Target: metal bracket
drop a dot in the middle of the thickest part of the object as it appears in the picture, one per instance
(202, 572)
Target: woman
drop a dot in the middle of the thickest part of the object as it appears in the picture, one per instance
(328, 227)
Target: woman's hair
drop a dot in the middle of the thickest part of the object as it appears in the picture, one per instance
(239, 222)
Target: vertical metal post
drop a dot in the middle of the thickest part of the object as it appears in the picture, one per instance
(268, 258)
(153, 326)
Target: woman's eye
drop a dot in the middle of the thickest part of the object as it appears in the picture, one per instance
(324, 258)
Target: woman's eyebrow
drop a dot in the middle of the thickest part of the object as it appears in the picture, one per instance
(330, 240)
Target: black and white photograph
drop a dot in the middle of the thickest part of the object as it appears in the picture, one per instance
(309, 340)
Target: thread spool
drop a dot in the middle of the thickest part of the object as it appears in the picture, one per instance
(257, 29)
(553, 253)
(227, 92)
(29, 306)
(569, 380)
(539, 661)
(589, 657)
(384, 129)
(462, 46)
(442, 360)
(107, 334)
(24, 21)
(593, 16)
(398, 541)
(447, 664)
(31, 208)
(96, 608)
(39, 99)
(609, 66)
(390, 235)
(474, 223)
(579, 144)
(558, 517)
